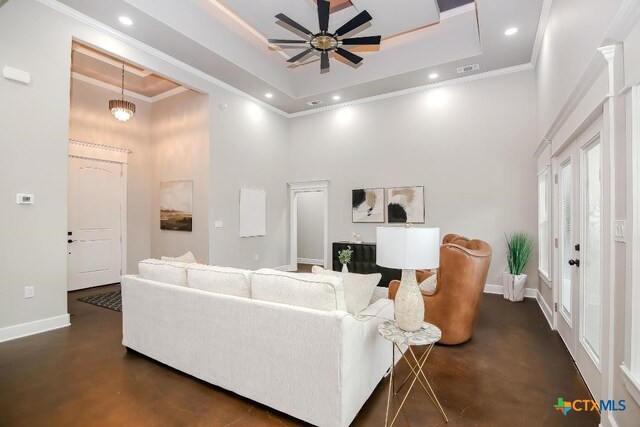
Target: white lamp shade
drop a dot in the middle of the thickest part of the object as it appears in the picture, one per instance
(408, 248)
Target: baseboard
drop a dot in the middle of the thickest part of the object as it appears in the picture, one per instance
(498, 289)
(35, 327)
(544, 307)
(310, 261)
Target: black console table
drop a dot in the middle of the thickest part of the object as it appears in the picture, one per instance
(363, 261)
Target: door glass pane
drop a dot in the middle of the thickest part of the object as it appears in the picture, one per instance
(566, 249)
(591, 219)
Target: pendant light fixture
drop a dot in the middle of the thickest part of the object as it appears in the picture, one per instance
(122, 110)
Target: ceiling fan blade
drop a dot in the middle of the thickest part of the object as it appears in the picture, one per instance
(324, 61)
(281, 41)
(323, 14)
(369, 40)
(284, 18)
(348, 55)
(300, 55)
(359, 20)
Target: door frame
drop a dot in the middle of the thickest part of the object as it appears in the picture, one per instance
(105, 153)
(296, 188)
(584, 136)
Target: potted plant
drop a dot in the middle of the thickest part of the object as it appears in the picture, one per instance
(519, 247)
(344, 256)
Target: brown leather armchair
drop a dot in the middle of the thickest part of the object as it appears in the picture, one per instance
(462, 275)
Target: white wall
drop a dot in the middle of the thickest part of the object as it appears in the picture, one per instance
(90, 121)
(470, 146)
(180, 152)
(33, 133)
(249, 149)
(311, 226)
(574, 30)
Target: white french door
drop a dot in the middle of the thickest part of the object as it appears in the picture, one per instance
(580, 254)
(95, 223)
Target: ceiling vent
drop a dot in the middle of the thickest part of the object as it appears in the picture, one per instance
(468, 68)
(314, 103)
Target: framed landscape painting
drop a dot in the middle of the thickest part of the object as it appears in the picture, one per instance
(176, 205)
(367, 205)
(405, 205)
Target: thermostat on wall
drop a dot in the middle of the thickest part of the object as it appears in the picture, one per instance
(24, 199)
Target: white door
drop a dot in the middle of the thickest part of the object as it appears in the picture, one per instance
(95, 217)
(580, 254)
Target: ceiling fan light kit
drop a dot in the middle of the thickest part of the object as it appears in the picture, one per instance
(325, 42)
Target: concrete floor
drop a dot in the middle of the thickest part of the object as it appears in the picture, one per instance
(510, 374)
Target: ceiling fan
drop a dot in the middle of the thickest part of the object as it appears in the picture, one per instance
(326, 42)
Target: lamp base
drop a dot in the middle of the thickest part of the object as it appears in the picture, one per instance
(409, 305)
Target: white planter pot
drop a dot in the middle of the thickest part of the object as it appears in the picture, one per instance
(513, 286)
(345, 269)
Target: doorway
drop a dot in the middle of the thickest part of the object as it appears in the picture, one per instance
(309, 219)
(580, 253)
(96, 236)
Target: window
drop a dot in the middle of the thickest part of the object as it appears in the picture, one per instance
(544, 251)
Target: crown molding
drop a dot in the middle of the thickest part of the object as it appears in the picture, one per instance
(542, 26)
(108, 86)
(80, 17)
(541, 147)
(417, 89)
(99, 146)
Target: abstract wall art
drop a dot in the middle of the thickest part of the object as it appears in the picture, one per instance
(405, 204)
(176, 205)
(368, 205)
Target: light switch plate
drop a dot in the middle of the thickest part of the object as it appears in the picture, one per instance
(29, 292)
(24, 199)
(620, 231)
(217, 224)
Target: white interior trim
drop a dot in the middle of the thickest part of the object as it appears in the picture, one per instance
(296, 188)
(131, 94)
(35, 327)
(546, 310)
(542, 26)
(499, 290)
(107, 153)
(417, 89)
(108, 60)
(631, 382)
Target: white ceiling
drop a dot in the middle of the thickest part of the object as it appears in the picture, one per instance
(227, 40)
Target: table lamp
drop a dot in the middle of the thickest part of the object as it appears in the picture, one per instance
(409, 249)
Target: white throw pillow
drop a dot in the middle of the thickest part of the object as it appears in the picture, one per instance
(358, 288)
(429, 285)
(379, 293)
(320, 292)
(221, 280)
(189, 258)
(174, 273)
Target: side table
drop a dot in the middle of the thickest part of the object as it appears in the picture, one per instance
(427, 335)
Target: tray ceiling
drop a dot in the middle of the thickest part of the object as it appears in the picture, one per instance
(227, 39)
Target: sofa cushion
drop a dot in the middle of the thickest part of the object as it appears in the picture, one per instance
(320, 292)
(221, 280)
(189, 258)
(174, 273)
(358, 288)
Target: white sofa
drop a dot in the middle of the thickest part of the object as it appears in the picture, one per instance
(316, 365)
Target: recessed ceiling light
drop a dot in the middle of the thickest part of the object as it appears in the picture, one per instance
(433, 76)
(336, 97)
(268, 95)
(511, 31)
(125, 20)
